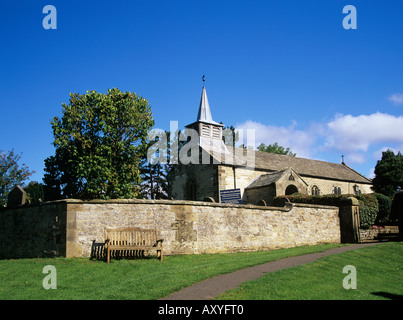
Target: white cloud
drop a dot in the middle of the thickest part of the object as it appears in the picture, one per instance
(396, 98)
(377, 155)
(371, 173)
(356, 133)
(350, 135)
(299, 141)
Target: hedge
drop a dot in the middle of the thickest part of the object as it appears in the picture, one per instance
(369, 206)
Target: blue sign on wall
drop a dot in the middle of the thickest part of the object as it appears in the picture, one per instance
(231, 196)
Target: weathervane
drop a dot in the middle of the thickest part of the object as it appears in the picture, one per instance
(203, 80)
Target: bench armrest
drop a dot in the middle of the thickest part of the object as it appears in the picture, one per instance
(156, 242)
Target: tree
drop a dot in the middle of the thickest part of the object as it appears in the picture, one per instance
(275, 148)
(230, 136)
(388, 173)
(34, 192)
(153, 175)
(11, 174)
(154, 181)
(157, 176)
(99, 142)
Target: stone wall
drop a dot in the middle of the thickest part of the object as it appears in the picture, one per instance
(69, 227)
(33, 231)
(377, 233)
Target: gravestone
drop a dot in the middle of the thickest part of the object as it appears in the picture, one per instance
(16, 197)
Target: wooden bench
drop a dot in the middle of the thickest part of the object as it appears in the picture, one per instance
(129, 240)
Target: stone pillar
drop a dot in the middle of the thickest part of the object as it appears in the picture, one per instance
(349, 214)
(73, 247)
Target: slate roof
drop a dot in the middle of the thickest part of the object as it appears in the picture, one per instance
(304, 167)
(265, 179)
(308, 167)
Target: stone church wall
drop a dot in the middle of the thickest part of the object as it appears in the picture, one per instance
(204, 176)
(326, 186)
(211, 178)
(69, 227)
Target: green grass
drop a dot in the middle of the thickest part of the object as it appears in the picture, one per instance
(127, 279)
(379, 271)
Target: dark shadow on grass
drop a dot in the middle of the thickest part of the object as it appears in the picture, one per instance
(388, 295)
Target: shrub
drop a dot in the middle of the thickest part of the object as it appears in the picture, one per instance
(369, 208)
(397, 207)
(326, 200)
(385, 205)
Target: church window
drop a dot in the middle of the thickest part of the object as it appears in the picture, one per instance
(315, 191)
(357, 190)
(336, 190)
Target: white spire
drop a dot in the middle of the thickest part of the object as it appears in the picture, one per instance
(204, 114)
(204, 108)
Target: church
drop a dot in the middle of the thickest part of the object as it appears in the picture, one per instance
(249, 176)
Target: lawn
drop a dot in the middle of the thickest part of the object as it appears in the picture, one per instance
(81, 278)
(379, 275)
(379, 269)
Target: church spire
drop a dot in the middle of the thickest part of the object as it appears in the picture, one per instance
(209, 132)
(204, 108)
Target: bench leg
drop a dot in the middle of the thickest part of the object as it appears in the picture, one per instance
(108, 256)
(160, 253)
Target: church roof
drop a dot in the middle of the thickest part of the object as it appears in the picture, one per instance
(272, 177)
(304, 167)
(265, 179)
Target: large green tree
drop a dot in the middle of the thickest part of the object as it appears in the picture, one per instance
(99, 142)
(388, 173)
(275, 148)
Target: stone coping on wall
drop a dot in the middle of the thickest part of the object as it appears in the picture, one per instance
(288, 205)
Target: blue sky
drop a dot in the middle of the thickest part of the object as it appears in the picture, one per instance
(288, 69)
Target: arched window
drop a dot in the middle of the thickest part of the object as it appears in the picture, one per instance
(315, 191)
(357, 190)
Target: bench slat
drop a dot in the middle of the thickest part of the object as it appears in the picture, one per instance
(132, 238)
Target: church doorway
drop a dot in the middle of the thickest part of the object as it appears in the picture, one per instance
(291, 189)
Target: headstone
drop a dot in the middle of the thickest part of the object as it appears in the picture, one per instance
(231, 196)
(16, 197)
